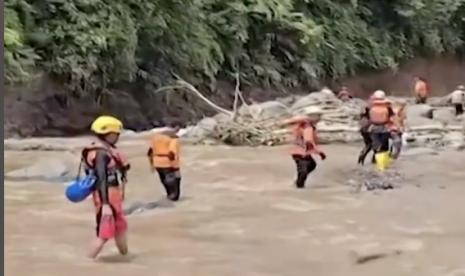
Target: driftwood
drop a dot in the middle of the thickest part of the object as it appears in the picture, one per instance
(244, 130)
(184, 85)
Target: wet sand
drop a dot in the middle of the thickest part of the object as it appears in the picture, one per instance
(241, 215)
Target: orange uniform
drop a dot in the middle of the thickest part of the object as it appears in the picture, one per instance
(165, 150)
(380, 112)
(303, 146)
(304, 140)
(398, 120)
(164, 157)
(421, 89)
(344, 95)
(115, 170)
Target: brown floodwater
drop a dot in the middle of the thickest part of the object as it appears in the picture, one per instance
(240, 215)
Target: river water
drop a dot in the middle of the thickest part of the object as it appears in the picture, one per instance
(240, 215)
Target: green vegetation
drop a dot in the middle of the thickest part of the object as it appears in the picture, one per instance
(93, 44)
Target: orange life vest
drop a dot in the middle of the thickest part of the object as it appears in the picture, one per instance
(344, 95)
(379, 112)
(421, 89)
(398, 122)
(303, 136)
(162, 145)
(115, 170)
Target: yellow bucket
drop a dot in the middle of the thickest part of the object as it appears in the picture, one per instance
(382, 160)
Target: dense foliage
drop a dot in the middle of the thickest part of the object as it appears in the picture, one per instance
(91, 44)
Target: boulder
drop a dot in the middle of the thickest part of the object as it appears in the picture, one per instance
(202, 130)
(461, 118)
(423, 124)
(46, 169)
(445, 115)
(316, 98)
(455, 140)
(438, 101)
(265, 111)
(419, 110)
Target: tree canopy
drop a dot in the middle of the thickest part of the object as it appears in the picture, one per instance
(92, 44)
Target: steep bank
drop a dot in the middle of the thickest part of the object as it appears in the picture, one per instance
(42, 109)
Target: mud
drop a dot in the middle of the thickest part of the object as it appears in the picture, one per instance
(241, 215)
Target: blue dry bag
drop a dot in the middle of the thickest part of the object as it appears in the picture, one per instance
(80, 188)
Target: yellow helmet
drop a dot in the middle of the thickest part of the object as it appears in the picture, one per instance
(106, 124)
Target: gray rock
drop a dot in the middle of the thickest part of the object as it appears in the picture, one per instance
(444, 115)
(419, 110)
(455, 140)
(423, 124)
(53, 170)
(316, 98)
(202, 130)
(221, 118)
(438, 101)
(265, 111)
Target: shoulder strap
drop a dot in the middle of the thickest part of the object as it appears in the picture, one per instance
(80, 167)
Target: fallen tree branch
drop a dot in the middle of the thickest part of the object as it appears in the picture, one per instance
(181, 84)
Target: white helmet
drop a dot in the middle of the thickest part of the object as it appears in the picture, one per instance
(379, 94)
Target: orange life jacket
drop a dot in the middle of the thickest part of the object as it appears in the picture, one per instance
(379, 112)
(398, 122)
(162, 146)
(344, 95)
(303, 137)
(116, 168)
(421, 89)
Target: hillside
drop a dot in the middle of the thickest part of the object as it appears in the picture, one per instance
(112, 55)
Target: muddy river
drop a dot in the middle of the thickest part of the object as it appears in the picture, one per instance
(241, 215)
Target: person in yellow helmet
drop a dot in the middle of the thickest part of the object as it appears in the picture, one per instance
(104, 160)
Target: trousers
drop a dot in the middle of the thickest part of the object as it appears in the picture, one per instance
(304, 166)
(171, 180)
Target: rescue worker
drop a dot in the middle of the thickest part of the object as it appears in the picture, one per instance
(163, 156)
(421, 90)
(380, 114)
(457, 98)
(344, 95)
(364, 124)
(304, 142)
(396, 128)
(103, 159)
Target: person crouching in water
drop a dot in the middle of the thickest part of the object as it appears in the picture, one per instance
(103, 159)
(380, 115)
(163, 156)
(304, 145)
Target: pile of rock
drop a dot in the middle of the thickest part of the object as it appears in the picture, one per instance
(259, 124)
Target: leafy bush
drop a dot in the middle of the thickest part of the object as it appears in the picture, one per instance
(91, 44)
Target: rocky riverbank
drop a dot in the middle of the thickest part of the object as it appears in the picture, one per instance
(431, 125)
